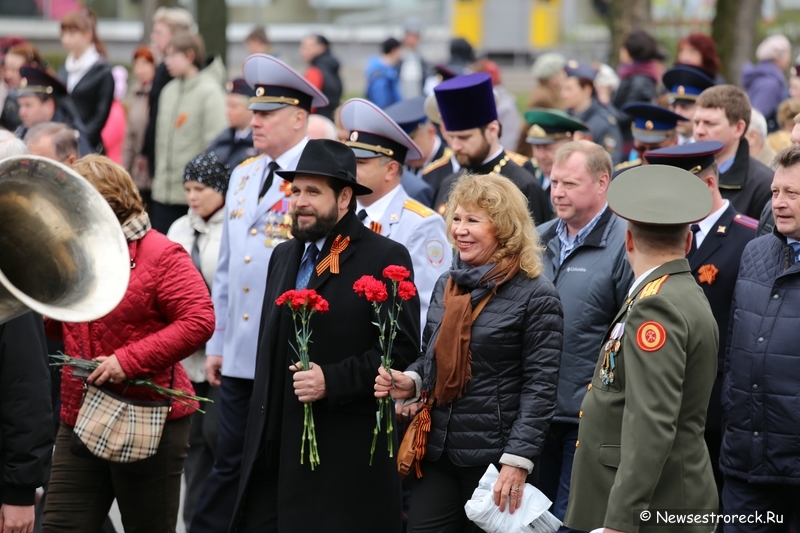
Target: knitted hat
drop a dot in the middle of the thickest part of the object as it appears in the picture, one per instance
(207, 168)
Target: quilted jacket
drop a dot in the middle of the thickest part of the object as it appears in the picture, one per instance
(510, 400)
(165, 316)
(762, 367)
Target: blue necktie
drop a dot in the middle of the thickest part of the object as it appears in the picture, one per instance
(307, 266)
(796, 249)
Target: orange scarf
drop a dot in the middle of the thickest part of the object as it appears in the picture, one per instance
(451, 349)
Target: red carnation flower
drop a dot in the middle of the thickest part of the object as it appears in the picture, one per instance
(321, 306)
(288, 295)
(406, 290)
(372, 289)
(396, 273)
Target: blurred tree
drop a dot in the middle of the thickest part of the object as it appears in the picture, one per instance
(734, 30)
(212, 20)
(624, 16)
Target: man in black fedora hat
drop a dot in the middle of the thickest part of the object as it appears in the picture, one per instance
(277, 492)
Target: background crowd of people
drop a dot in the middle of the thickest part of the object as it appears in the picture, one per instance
(493, 208)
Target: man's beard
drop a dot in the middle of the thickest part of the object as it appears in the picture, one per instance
(475, 161)
(322, 226)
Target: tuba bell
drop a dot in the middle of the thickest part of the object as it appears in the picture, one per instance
(62, 250)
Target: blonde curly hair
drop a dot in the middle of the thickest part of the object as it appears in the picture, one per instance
(508, 212)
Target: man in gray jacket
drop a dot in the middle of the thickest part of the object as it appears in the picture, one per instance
(585, 259)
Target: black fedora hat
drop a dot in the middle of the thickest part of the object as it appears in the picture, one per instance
(330, 159)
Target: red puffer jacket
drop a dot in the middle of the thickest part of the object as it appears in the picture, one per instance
(165, 316)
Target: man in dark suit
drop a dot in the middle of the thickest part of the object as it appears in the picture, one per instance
(343, 493)
(717, 247)
(235, 144)
(469, 115)
(723, 114)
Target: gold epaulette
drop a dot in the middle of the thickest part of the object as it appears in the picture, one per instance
(519, 159)
(652, 288)
(249, 160)
(418, 208)
(442, 161)
(628, 164)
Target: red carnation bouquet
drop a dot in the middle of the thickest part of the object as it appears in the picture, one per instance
(304, 303)
(376, 292)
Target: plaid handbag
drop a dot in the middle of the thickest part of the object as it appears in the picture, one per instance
(117, 429)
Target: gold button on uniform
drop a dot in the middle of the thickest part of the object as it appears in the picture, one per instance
(247, 259)
(577, 442)
(580, 414)
(246, 288)
(589, 387)
(245, 316)
(253, 231)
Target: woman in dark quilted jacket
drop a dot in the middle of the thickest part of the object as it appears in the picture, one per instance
(491, 354)
(165, 316)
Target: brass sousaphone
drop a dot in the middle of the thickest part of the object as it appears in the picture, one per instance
(62, 250)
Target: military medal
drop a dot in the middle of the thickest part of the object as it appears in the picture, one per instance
(611, 350)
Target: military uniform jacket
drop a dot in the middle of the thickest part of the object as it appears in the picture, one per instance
(715, 266)
(640, 440)
(344, 493)
(231, 149)
(422, 232)
(748, 183)
(538, 203)
(417, 188)
(250, 232)
(439, 168)
(604, 129)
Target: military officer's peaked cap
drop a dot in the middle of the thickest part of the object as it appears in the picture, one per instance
(551, 125)
(651, 123)
(373, 133)
(692, 157)
(466, 102)
(277, 85)
(576, 69)
(239, 86)
(659, 195)
(39, 81)
(685, 83)
(408, 114)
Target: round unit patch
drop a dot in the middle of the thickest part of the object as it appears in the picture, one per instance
(651, 336)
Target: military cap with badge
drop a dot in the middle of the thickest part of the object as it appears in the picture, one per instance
(552, 125)
(38, 81)
(685, 83)
(276, 85)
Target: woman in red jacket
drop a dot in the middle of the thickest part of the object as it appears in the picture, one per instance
(165, 316)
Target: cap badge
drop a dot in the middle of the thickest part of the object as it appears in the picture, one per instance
(537, 131)
(648, 125)
(260, 92)
(681, 90)
(354, 136)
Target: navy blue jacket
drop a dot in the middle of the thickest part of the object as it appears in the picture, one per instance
(761, 419)
(232, 150)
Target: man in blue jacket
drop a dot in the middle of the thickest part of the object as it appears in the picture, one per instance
(585, 259)
(761, 419)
